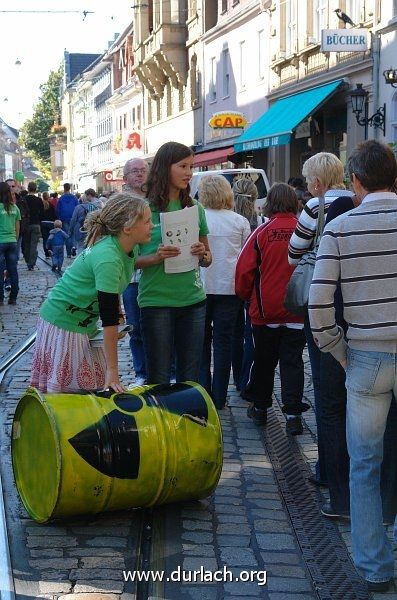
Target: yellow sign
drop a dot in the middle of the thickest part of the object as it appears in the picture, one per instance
(228, 120)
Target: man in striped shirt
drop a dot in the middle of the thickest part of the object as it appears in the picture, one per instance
(359, 250)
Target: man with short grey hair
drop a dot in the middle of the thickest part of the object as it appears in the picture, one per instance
(135, 174)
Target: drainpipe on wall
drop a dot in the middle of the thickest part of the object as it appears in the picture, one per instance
(375, 42)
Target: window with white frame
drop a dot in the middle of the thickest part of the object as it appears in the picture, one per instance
(226, 72)
(320, 17)
(243, 65)
(353, 10)
(213, 80)
(291, 37)
(261, 54)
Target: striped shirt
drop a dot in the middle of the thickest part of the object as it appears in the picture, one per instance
(303, 237)
(358, 249)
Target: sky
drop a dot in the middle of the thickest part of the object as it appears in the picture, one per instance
(38, 41)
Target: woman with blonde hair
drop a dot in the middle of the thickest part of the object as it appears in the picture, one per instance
(245, 194)
(64, 360)
(324, 174)
(228, 233)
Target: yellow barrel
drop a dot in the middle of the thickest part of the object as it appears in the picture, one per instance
(82, 453)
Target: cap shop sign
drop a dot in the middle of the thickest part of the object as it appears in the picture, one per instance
(344, 40)
(227, 120)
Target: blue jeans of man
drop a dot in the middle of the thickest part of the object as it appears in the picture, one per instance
(133, 317)
(220, 319)
(242, 348)
(371, 382)
(9, 261)
(165, 328)
(315, 364)
(333, 402)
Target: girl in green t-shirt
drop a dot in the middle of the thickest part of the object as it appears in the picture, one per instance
(10, 219)
(64, 360)
(172, 304)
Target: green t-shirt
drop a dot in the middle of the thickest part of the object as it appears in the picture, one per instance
(73, 303)
(7, 223)
(157, 288)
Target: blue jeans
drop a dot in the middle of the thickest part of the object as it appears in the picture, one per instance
(220, 319)
(58, 254)
(164, 328)
(242, 348)
(9, 261)
(133, 317)
(371, 382)
(333, 402)
(315, 364)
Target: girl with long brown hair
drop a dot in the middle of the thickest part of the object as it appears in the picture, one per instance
(172, 304)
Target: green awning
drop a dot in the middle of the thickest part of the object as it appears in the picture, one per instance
(275, 126)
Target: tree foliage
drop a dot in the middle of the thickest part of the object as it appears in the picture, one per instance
(35, 131)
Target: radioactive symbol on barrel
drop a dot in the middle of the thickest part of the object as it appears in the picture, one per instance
(111, 445)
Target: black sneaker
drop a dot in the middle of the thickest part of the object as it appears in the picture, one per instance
(53, 268)
(379, 586)
(294, 426)
(330, 513)
(258, 416)
(73, 251)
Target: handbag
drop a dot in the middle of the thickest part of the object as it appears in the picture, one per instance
(297, 294)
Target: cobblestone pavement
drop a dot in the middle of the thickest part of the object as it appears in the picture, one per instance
(244, 527)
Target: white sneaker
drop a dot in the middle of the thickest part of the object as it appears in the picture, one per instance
(140, 381)
(173, 380)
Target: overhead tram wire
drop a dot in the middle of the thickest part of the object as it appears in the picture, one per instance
(80, 12)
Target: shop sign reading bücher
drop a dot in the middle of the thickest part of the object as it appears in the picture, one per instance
(344, 40)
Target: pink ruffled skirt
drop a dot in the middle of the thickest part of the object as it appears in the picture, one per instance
(64, 361)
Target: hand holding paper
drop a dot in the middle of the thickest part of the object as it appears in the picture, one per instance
(180, 229)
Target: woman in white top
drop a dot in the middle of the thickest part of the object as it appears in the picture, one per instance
(228, 233)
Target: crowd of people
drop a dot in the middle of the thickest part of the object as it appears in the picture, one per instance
(29, 215)
(226, 313)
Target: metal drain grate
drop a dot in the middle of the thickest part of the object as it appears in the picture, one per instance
(324, 552)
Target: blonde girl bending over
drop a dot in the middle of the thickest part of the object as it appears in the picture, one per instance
(90, 289)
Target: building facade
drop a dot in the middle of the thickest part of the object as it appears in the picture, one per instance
(179, 62)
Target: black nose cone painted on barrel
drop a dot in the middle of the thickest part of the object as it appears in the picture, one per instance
(180, 399)
(111, 445)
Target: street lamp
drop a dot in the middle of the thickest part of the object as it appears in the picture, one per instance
(359, 100)
(390, 76)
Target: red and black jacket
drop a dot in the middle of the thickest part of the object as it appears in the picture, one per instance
(263, 271)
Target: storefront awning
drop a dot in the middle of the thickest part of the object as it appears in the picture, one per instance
(212, 157)
(275, 126)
